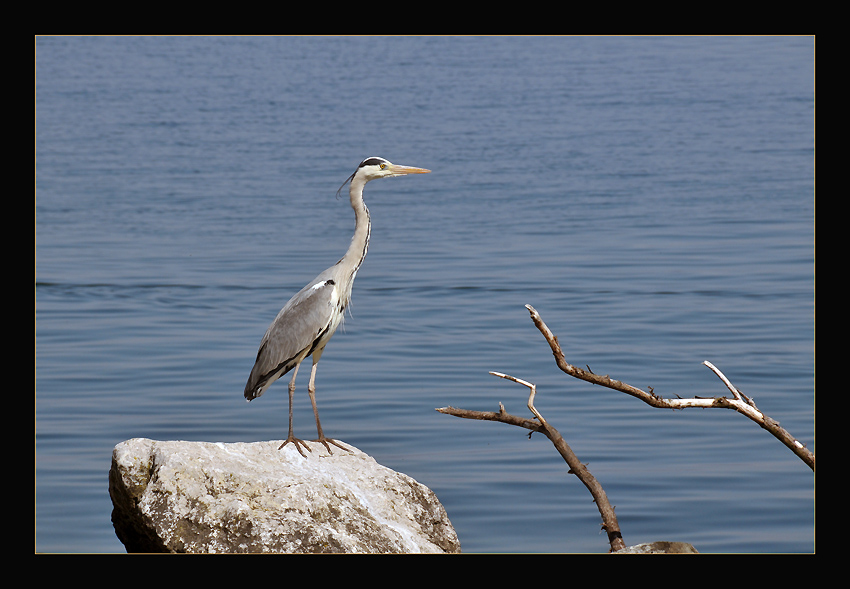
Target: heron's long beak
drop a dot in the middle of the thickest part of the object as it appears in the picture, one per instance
(404, 170)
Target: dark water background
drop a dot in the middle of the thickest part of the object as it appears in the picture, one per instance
(653, 198)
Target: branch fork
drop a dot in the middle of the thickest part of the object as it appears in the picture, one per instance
(739, 402)
(539, 424)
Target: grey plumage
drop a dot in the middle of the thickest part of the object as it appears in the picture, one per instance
(301, 328)
(306, 323)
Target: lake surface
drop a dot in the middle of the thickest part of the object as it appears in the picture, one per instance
(653, 198)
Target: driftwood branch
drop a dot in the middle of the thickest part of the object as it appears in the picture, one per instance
(539, 424)
(739, 403)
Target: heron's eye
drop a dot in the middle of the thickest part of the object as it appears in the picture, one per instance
(383, 166)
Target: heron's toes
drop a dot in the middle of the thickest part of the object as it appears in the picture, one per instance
(326, 441)
(297, 443)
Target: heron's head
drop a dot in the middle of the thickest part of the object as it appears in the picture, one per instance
(377, 167)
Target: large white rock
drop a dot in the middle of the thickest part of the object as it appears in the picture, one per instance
(208, 497)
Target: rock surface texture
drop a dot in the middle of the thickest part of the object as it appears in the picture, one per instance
(209, 497)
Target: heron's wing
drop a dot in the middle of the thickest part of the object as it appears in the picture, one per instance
(292, 336)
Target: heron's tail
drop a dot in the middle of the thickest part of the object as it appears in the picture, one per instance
(258, 381)
(257, 385)
(266, 371)
(252, 392)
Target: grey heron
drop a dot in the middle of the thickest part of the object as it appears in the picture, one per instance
(306, 323)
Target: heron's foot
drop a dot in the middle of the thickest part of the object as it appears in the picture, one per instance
(326, 441)
(297, 443)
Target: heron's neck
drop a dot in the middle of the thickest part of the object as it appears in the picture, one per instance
(362, 227)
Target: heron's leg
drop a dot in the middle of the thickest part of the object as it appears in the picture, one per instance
(292, 395)
(291, 437)
(311, 389)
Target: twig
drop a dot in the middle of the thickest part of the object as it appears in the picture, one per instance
(501, 416)
(738, 394)
(606, 510)
(533, 391)
(740, 403)
(725, 380)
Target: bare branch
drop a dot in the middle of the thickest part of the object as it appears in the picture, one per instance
(533, 391)
(738, 394)
(725, 380)
(501, 416)
(606, 510)
(740, 403)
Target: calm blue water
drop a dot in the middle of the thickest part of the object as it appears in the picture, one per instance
(653, 198)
